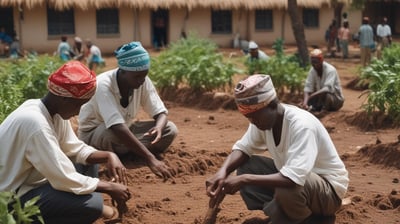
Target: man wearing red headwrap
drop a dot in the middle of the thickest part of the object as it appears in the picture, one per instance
(322, 89)
(39, 150)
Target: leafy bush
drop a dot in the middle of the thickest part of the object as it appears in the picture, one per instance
(285, 70)
(12, 212)
(383, 81)
(24, 79)
(192, 62)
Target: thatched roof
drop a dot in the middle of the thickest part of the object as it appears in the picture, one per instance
(154, 4)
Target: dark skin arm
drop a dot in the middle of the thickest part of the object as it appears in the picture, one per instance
(116, 170)
(221, 182)
(128, 139)
(161, 120)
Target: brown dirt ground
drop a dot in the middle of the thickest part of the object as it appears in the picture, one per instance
(371, 153)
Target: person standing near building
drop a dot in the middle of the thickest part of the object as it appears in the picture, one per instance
(64, 49)
(344, 37)
(366, 38)
(94, 58)
(384, 34)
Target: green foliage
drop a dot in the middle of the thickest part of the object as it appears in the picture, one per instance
(18, 214)
(383, 81)
(24, 79)
(285, 70)
(194, 62)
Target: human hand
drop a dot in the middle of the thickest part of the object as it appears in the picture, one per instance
(232, 184)
(214, 188)
(119, 192)
(160, 169)
(116, 170)
(154, 131)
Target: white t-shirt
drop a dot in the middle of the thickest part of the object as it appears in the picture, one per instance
(105, 106)
(383, 30)
(37, 148)
(305, 147)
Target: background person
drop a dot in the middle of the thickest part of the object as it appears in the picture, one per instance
(304, 178)
(94, 58)
(344, 37)
(384, 34)
(105, 122)
(366, 40)
(63, 49)
(322, 89)
(39, 149)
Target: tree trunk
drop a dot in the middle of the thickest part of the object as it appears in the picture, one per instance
(298, 31)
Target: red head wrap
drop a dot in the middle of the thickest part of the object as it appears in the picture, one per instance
(74, 80)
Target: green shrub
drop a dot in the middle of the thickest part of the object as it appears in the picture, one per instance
(383, 81)
(24, 79)
(192, 62)
(285, 70)
(18, 214)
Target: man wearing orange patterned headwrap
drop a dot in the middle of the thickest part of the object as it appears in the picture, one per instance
(304, 179)
(322, 89)
(39, 149)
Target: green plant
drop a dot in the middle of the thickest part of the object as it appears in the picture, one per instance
(192, 62)
(24, 79)
(12, 212)
(383, 81)
(285, 70)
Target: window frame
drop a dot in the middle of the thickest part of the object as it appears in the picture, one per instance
(267, 23)
(221, 21)
(108, 24)
(308, 14)
(60, 22)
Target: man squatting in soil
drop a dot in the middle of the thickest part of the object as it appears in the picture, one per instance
(105, 122)
(39, 149)
(322, 89)
(304, 178)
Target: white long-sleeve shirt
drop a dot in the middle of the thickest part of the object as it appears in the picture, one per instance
(305, 147)
(37, 148)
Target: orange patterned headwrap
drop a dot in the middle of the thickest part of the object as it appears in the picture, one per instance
(254, 93)
(74, 80)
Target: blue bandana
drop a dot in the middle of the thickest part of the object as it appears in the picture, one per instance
(132, 57)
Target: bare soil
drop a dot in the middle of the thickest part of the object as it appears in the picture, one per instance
(210, 124)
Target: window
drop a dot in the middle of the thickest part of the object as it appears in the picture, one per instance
(311, 18)
(264, 20)
(221, 21)
(60, 22)
(107, 21)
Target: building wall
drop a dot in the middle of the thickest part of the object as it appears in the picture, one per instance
(136, 25)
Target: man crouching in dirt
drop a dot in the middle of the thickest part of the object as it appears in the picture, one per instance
(39, 147)
(105, 122)
(304, 180)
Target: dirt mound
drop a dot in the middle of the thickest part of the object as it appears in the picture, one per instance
(387, 155)
(191, 98)
(357, 84)
(366, 122)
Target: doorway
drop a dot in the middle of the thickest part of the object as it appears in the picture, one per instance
(160, 22)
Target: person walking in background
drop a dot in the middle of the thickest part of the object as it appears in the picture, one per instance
(39, 149)
(366, 38)
(15, 49)
(344, 37)
(94, 59)
(322, 89)
(105, 122)
(303, 180)
(384, 34)
(64, 49)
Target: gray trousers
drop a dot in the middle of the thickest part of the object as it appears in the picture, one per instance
(288, 205)
(60, 207)
(327, 101)
(104, 139)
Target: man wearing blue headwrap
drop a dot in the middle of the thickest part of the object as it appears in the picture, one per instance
(106, 121)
